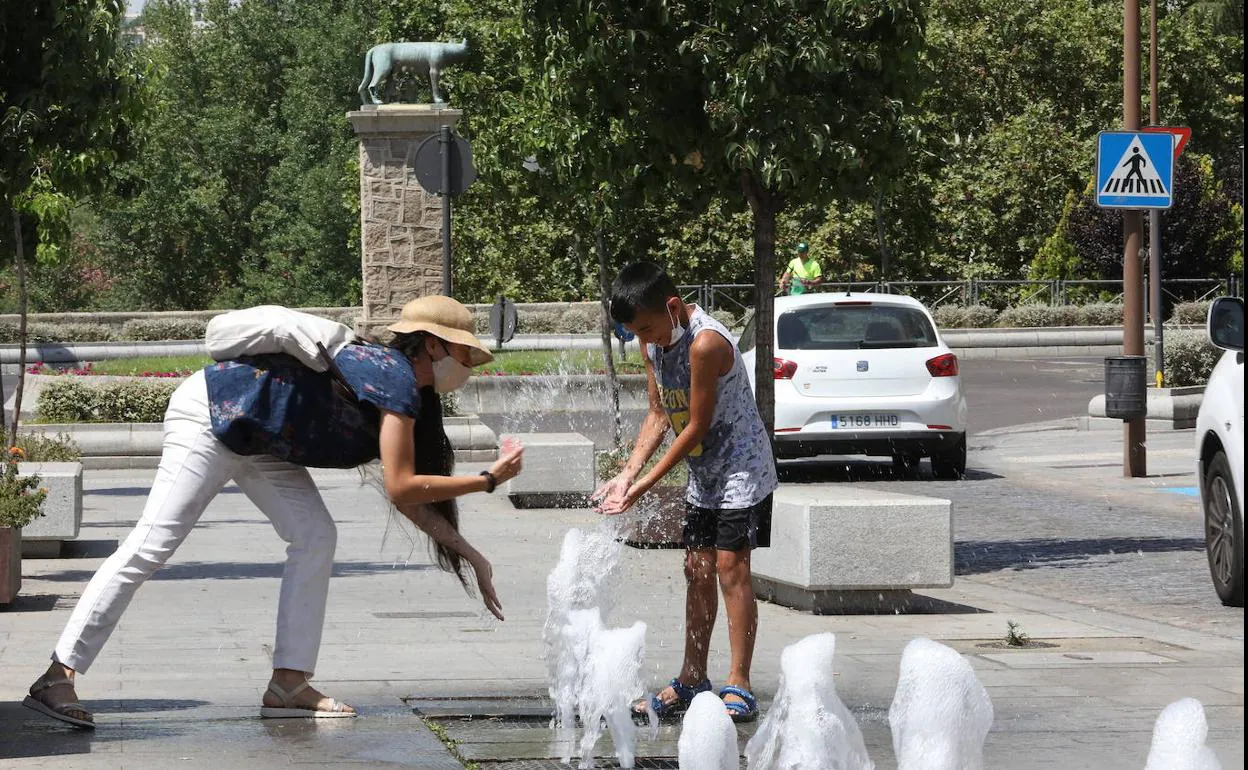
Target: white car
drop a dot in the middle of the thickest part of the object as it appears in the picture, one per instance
(1220, 447)
(865, 374)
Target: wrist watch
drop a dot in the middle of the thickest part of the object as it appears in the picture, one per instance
(491, 483)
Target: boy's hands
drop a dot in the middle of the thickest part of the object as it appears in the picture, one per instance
(608, 497)
(620, 503)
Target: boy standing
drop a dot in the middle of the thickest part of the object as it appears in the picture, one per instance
(697, 384)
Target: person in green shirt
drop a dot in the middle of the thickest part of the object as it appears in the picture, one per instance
(803, 273)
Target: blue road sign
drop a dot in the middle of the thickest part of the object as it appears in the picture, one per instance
(1134, 170)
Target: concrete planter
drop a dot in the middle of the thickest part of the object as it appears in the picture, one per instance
(665, 525)
(1168, 408)
(62, 509)
(10, 564)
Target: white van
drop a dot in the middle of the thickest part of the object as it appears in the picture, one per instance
(1220, 447)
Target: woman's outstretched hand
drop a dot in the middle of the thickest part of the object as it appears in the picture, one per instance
(510, 461)
(485, 584)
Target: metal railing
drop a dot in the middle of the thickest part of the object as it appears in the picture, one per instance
(739, 297)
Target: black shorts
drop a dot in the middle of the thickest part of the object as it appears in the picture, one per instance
(728, 529)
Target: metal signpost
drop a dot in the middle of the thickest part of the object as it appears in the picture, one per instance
(1135, 172)
(443, 166)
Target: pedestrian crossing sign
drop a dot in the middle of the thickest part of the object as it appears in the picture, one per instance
(1134, 170)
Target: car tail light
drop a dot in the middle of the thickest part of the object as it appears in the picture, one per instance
(784, 370)
(943, 366)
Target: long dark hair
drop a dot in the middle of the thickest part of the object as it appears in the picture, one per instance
(434, 454)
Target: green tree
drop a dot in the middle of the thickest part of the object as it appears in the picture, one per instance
(245, 188)
(1201, 233)
(65, 106)
(771, 101)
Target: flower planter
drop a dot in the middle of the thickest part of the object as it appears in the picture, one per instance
(664, 526)
(10, 563)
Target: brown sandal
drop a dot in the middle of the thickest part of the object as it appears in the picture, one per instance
(61, 711)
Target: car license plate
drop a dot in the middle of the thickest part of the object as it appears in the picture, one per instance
(850, 421)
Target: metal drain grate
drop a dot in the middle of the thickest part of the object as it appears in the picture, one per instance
(643, 763)
(504, 722)
(427, 615)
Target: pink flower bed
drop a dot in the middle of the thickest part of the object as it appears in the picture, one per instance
(88, 370)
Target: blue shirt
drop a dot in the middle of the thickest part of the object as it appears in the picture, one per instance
(274, 405)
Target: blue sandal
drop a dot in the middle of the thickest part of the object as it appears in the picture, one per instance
(684, 696)
(740, 712)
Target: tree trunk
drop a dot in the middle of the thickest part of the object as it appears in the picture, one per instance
(613, 381)
(879, 234)
(764, 205)
(21, 325)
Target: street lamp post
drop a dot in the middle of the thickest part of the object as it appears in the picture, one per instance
(1154, 216)
(1135, 463)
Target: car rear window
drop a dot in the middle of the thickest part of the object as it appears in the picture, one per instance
(850, 327)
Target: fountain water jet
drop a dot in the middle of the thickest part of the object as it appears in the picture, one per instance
(594, 671)
(1179, 739)
(708, 739)
(807, 725)
(611, 682)
(941, 713)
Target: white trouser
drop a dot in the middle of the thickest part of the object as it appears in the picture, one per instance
(194, 466)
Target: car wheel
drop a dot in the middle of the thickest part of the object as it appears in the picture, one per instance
(950, 464)
(1224, 532)
(906, 465)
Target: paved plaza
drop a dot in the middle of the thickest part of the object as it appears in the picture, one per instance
(1111, 572)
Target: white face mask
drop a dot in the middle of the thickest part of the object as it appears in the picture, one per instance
(678, 331)
(449, 375)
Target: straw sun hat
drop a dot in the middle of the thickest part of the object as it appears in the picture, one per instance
(445, 318)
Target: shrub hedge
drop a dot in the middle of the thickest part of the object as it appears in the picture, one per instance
(1192, 313)
(1101, 314)
(72, 400)
(582, 318)
(1189, 356)
(156, 329)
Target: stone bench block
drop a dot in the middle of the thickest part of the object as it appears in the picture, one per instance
(62, 509)
(558, 471)
(839, 547)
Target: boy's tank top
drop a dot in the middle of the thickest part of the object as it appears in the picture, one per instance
(733, 466)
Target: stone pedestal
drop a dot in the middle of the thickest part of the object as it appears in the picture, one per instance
(400, 224)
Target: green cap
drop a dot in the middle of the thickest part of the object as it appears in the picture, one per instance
(802, 248)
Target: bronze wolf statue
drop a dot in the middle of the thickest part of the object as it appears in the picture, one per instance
(385, 60)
